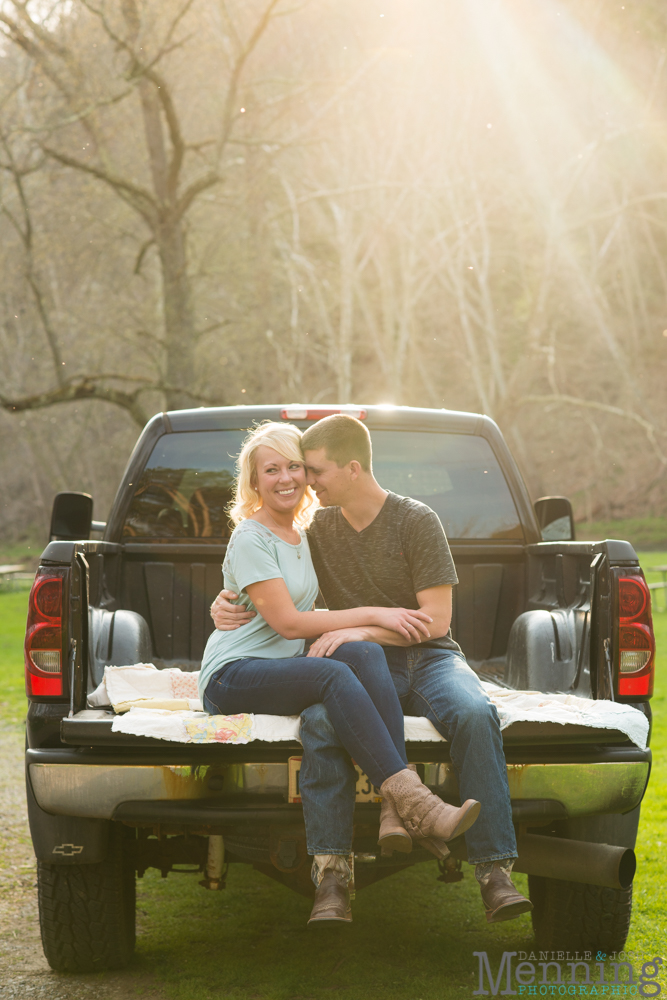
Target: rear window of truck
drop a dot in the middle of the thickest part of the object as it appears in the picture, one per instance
(186, 485)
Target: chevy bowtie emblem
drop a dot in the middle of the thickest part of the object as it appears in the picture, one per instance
(68, 849)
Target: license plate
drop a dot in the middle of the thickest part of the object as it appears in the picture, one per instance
(366, 791)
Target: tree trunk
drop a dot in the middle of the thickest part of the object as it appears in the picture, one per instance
(179, 330)
(347, 253)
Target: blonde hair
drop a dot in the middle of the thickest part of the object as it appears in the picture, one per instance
(286, 440)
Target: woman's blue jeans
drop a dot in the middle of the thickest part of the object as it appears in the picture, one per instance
(356, 689)
(437, 684)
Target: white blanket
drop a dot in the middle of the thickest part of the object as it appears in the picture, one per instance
(143, 685)
(163, 704)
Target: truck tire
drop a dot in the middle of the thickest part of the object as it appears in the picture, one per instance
(87, 912)
(571, 916)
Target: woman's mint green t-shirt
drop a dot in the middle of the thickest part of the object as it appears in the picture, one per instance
(254, 553)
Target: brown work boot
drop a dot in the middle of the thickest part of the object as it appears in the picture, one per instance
(425, 814)
(393, 835)
(437, 847)
(502, 901)
(332, 902)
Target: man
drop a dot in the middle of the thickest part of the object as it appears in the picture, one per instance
(375, 548)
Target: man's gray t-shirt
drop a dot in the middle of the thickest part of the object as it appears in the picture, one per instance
(404, 550)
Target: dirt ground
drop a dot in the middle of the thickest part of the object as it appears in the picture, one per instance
(24, 972)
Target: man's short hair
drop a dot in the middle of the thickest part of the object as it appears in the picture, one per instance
(344, 438)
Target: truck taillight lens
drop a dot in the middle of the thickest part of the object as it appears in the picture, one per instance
(632, 598)
(637, 647)
(44, 635)
(636, 642)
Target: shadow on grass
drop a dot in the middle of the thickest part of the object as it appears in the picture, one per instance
(412, 938)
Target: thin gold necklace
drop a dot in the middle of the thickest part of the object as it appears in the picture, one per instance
(297, 546)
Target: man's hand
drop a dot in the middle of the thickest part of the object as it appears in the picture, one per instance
(436, 602)
(411, 624)
(330, 641)
(228, 616)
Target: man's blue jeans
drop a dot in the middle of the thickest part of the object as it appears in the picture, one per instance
(355, 685)
(437, 684)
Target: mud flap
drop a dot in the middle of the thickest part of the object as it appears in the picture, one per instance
(66, 840)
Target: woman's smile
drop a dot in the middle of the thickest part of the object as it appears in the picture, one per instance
(281, 482)
(288, 492)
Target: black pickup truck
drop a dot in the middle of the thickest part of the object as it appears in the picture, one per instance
(534, 609)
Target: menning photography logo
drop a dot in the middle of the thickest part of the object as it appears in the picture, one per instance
(559, 973)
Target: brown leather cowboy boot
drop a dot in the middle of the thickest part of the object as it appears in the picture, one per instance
(332, 902)
(425, 814)
(393, 835)
(502, 901)
(437, 847)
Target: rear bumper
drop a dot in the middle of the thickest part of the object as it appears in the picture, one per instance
(64, 784)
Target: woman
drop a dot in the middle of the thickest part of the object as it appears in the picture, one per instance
(261, 667)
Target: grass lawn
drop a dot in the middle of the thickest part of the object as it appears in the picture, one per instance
(412, 937)
(648, 533)
(13, 612)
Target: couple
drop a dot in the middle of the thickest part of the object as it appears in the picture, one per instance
(386, 574)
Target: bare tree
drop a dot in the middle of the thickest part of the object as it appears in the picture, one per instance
(85, 110)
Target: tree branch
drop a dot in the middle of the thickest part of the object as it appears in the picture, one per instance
(79, 116)
(35, 52)
(87, 387)
(228, 115)
(130, 12)
(212, 327)
(175, 134)
(191, 192)
(592, 404)
(139, 198)
(142, 253)
(26, 234)
(140, 70)
(45, 37)
(81, 387)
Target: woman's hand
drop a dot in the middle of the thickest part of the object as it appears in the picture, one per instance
(330, 641)
(407, 622)
(227, 616)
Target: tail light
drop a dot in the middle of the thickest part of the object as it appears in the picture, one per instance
(636, 642)
(317, 412)
(44, 638)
